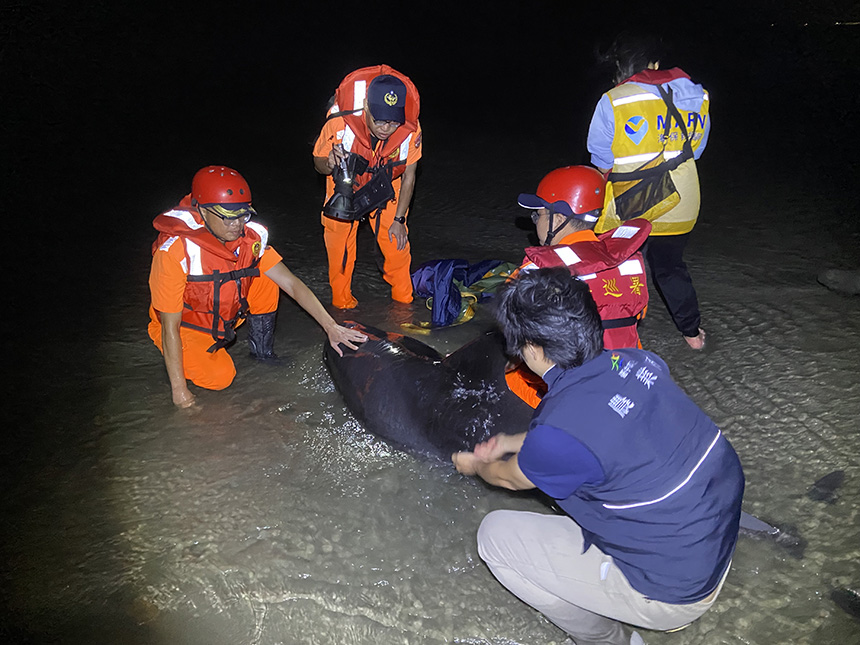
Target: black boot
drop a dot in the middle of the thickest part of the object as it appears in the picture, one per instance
(261, 337)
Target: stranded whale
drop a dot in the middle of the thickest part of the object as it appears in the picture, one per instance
(407, 393)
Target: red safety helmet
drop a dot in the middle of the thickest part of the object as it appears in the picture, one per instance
(219, 185)
(575, 191)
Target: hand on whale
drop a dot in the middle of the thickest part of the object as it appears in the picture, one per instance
(423, 403)
(407, 393)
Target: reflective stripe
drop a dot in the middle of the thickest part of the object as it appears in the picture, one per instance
(404, 147)
(348, 138)
(168, 243)
(186, 217)
(567, 255)
(590, 276)
(195, 255)
(263, 232)
(359, 92)
(669, 154)
(677, 488)
(531, 266)
(645, 96)
(636, 158)
(334, 109)
(630, 267)
(625, 231)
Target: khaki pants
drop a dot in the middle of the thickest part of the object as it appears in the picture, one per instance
(539, 559)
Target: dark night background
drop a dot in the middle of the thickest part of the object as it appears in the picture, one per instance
(109, 108)
(121, 102)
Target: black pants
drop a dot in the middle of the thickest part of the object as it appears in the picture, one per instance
(665, 257)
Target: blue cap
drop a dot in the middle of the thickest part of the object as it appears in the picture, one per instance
(386, 99)
(534, 202)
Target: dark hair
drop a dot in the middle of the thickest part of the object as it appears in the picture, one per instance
(631, 52)
(553, 310)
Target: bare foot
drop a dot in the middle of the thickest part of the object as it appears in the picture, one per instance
(696, 342)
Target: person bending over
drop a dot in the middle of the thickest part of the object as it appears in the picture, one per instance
(650, 487)
(369, 149)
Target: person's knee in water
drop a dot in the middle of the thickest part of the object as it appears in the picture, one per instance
(211, 267)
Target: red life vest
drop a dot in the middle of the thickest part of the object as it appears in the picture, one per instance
(349, 101)
(218, 274)
(614, 270)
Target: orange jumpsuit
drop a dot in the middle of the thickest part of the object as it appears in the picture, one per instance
(402, 149)
(180, 253)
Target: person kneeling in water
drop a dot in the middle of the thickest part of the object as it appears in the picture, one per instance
(211, 268)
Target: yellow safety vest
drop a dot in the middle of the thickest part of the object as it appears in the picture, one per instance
(640, 120)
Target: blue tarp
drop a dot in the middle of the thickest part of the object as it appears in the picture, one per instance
(436, 279)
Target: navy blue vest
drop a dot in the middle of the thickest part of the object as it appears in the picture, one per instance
(669, 506)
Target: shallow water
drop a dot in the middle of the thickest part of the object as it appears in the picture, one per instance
(268, 515)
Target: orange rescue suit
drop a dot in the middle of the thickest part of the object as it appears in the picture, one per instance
(213, 285)
(219, 275)
(346, 125)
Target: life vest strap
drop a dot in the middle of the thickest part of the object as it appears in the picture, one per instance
(218, 278)
(671, 164)
(334, 115)
(222, 340)
(617, 323)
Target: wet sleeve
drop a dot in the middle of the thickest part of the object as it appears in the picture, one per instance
(416, 146)
(167, 278)
(601, 132)
(328, 137)
(557, 463)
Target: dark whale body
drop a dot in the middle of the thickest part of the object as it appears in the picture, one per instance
(421, 402)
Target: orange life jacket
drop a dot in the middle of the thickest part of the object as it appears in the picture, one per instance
(614, 270)
(218, 274)
(349, 103)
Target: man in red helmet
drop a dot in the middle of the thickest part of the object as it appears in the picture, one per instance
(211, 268)
(566, 207)
(369, 147)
